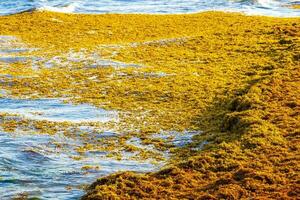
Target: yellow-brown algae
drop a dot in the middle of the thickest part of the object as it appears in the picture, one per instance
(295, 6)
(233, 76)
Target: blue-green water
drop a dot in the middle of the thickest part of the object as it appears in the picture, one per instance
(55, 110)
(31, 165)
(254, 7)
(45, 166)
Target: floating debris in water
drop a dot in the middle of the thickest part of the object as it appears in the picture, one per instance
(13, 59)
(178, 139)
(32, 163)
(85, 59)
(11, 44)
(11, 48)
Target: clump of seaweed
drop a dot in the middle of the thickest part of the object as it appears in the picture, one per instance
(295, 6)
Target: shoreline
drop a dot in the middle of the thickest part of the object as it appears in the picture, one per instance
(229, 75)
(232, 11)
(269, 11)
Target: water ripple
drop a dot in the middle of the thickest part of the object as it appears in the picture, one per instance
(253, 7)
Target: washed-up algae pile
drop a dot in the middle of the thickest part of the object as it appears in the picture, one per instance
(234, 77)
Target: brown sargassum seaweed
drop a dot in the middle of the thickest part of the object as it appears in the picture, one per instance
(235, 77)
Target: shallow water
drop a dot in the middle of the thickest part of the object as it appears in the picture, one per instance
(55, 110)
(10, 47)
(33, 164)
(45, 166)
(253, 7)
(178, 139)
(88, 60)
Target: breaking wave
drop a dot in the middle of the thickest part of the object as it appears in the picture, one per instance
(252, 7)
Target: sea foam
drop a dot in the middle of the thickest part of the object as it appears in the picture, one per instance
(252, 7)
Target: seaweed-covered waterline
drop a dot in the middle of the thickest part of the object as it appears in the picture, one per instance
(55, 110)
(226, 82)
(50, 166)
(31, 165)
(53, 166)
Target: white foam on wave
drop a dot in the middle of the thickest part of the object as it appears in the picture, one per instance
(251, 7)
(65, 9)
(267, 2)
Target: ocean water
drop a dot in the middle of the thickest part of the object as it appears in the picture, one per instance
(55, 110)
(251, 7)
(43, 166)
(31, 164)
